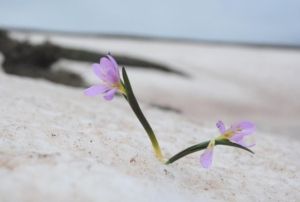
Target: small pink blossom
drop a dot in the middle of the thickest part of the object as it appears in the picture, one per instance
(236, 134)
(107, 71)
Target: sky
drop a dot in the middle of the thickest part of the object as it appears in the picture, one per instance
(251, 21)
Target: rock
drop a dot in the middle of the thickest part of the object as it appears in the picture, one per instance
(35, 60)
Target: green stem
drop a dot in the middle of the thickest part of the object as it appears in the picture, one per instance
(139, 114)
(203, 145)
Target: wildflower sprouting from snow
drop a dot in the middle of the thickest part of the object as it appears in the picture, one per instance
(236, 134)
(107, 70)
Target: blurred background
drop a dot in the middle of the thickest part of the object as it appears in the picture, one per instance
(263, 22)
(210, 60)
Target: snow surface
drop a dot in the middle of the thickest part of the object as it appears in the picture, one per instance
(58, 145)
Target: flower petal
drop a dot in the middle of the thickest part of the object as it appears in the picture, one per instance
(237, 137)
(115, 64)
(95, 90)
(108, 71)
(97, 70)
(112, 77)
(109, 95)
(244, 127)
(220, 125)
(240, 139)
(206, 158)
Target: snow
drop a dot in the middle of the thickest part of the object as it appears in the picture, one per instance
(58, 145)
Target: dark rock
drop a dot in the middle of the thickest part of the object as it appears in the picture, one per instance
(25, 59)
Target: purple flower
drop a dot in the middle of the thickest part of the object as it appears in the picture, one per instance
(236, 133)
(107, 70)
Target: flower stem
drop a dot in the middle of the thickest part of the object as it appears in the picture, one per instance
(203, 145)
(139, 114)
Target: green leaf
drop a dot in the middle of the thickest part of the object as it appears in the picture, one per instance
(232, 144)
(202, 146)
(126, 82)
(134, 104)
(139, 114)
(187, 151)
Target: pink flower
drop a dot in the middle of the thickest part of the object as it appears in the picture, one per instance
(107, 71)
(236, 134)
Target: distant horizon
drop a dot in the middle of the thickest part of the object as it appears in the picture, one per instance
(249, 22)
(149, 37)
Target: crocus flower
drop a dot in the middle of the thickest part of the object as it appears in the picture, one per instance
(107, 71)
(236, 134)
